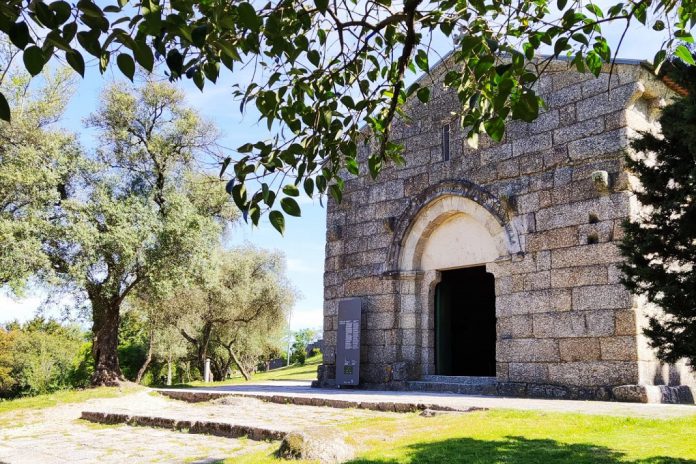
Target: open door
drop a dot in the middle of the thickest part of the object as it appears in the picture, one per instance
(465, 332)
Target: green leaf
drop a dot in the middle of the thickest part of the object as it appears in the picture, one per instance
(659, 25)
(277, 220)
(352, 166)
(527, 107)
(597, 11)
(198, 35)
(5, 113)
(90, 42)
(198, 79)
(175, 61)
(229, 186)
(561, 4)
(322, 5)
(33, 60)
(314, 57)
(61, 10)
(290, 206)
(126, 65)
(225, 163)
(89, 8)
(336, 193)
(684, 54)
(76, 61)
(422, 60)
(495, 128)
(309, 186)
(19, 34)
(248, 17)
(423, 94)
(104, 61)
(660, 57)
(290, 190)
(143, 55)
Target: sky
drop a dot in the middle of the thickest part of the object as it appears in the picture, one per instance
(304, 239)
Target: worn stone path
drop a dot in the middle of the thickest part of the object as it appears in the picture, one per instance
(302, 389)
(56, 435)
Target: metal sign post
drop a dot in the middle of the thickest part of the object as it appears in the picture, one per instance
(348, 342)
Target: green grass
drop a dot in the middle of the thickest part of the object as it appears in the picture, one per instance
(516, 437)
(63, 397)
(293, 372)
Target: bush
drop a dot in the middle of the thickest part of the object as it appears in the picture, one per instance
(314, 352)
(41, 357)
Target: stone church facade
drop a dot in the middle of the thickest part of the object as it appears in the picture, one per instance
(501, 262)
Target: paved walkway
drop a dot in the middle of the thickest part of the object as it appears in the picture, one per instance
(456, 401)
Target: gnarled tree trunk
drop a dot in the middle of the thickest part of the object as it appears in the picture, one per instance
(107, 318)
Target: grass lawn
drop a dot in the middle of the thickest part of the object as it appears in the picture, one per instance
(292, 372)
(63, 397)
(522, 437)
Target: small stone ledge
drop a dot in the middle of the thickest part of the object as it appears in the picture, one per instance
(220, 429)
(398, 407)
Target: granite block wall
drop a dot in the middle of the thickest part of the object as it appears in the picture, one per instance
(555, 190)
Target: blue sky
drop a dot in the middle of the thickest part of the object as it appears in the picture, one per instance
(304, 240)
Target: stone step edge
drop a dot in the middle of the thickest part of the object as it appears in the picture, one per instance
(461, 380)
(466, 385)
(439, 387)
(385, 406)
(220, 429)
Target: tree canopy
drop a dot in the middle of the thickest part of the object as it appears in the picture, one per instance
(323, 70)
(36, 161)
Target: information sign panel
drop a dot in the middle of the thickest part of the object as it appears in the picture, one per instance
(348, 342)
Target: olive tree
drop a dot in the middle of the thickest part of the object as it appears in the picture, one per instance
(137, 215)
(242, 302)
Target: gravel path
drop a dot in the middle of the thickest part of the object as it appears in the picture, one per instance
(56, 435)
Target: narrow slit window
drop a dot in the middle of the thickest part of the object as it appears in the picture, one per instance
(446, 142)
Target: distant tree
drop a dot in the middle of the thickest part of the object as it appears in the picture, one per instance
(243, 300)
(159, 339)
(660, 246)
(7, 380)
(140, 214)
(132, 343)
(303, 338)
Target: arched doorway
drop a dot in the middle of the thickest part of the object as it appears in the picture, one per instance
(447, 253)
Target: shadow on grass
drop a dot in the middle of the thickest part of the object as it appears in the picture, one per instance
(515, 450)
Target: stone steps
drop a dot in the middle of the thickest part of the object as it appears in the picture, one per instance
(454, 384)
(164, 421)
